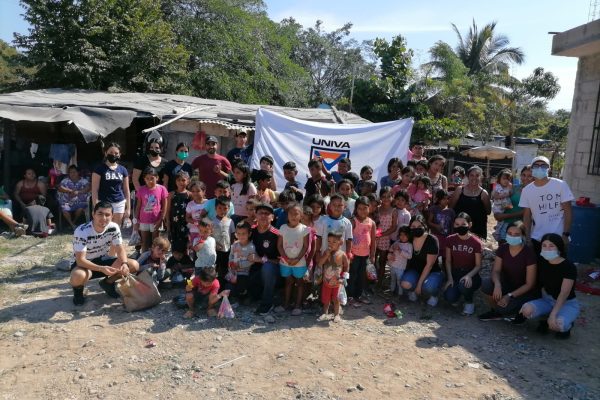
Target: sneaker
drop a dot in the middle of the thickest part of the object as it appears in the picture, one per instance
(324, 317)
(519, 319)
(491, 315)
(432, 301)
(412, 296)
(542, 327)
(279, 309)
(78, 297)
(264, 309)
(337, 319)
(109, 288)
(468, 309)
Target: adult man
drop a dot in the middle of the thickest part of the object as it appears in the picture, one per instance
(212, 167)
(91, 243)
(241, 151)
(265, 271)
(416, 152)
(547, 202)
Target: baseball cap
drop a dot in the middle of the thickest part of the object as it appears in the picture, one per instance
(541, 158)
(241, 133)
(211, 139)
(264, 206)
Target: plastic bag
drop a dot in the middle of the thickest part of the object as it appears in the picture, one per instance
(225, 310)
(231, 276)
(342, 296)
(371, 272)
(135, 239)
(318, 275)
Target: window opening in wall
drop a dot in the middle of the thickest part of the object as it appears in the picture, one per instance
(594, 164)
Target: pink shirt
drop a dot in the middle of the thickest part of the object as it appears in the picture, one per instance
(150, 203)
(361, 237)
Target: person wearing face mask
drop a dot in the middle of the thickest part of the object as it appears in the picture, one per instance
(174, 167)
(153, 159)
(557, 277)
(473, 199)
(110, 183)
(423, 275)
(547, 201)
(513, 279)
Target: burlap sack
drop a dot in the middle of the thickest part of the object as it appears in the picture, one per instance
(138, 291)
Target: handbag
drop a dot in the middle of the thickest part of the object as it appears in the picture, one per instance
(138, 291)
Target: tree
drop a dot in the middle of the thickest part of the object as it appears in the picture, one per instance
(13, 73)
(102, 44)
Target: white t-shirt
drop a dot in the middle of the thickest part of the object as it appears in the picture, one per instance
(402, 219)
(327, 224)
(293, 240)
(93, 243)
(207, 255)
(195, 210)
(239, 200)
(545, 205)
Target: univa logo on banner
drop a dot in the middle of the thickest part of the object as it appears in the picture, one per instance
(330, 151)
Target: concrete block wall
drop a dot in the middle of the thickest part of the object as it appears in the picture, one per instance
(579, 141)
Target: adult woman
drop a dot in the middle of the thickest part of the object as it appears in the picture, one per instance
(513, 276)
(516, 212)
(473, 200)
(557, 279)
(29, 188)
(73, 195)
(152, 159)
(434, 172)
(463, 262)
(423, 275)
(173, 167)
(393, 177)
(110, 182)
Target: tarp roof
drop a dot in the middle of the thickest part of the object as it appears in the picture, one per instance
(97, 114)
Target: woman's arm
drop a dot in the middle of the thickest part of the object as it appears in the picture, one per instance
(496, 269)
(127, 194)
(42, 187)
(449, 278)
(504, 216)
(565, 290)
(477, 268)
(95, 187)
(487, 204)
(135, 176)
(165, 180)
(431, 259)
(529, 281)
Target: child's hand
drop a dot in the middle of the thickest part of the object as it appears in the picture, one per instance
(306, 276)
(157, 225)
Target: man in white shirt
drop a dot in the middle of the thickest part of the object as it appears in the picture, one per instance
(91, 244)
(547, 204)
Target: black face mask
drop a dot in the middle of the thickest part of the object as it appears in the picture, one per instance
(153, 153)
(112, 158)
(461, 230)
(417, 232)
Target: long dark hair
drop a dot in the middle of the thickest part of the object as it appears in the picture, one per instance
(244, 169)
(557, 241)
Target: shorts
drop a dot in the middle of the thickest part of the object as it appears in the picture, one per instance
(297, 272)
(105, 261)
(329, 294)
(147, 227)
(200, 300)
(119, 207)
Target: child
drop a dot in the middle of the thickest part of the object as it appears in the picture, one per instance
(308, 220)
(176, 221)
(241, 258)
(251, 211)
(366, 179)
(420, 195)
(400, 252)
(346, 188)
(343, 167)
(39, 218)
(441, 218)
(374, 207)
(334, 221)
(221, 190)
(203, 292)
(387, 226)
(335, 271)
(264, 192)
(407, 175)
(456, 178)
(155, 259)
(421, 167)
(502, 192)
(401, 201)
(266, 164)
(194, 209)
(205, 246)
(180, 265)
(317, 205)
(223, 228)
(242, 190)
(293, 245)
(150, 207)
(286, 198)
(316, 182)
(363, 249)
(290, 171)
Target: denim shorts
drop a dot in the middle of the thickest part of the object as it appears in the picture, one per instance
(297, 272)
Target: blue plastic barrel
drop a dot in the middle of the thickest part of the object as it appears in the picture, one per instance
(585, 234)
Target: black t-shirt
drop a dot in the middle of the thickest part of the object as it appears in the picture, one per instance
(243, 154)
(419, 258)
(142, 162)
(171, 169)
(266, 242)
(550, 276)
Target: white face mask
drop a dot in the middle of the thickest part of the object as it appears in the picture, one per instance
(539, 173)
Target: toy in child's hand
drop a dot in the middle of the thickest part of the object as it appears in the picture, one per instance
(188, 285)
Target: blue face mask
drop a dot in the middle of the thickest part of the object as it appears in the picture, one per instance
(182, 155)
(539, 173)
(514, 240)
(549, 254)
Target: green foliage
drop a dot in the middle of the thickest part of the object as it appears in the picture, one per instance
(13, 73)
(432, 129)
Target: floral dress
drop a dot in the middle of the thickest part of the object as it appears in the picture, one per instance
(385, 223)
(179, 229)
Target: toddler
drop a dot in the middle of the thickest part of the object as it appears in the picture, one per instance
(223, 228)
(241, 258)
(420, 195)
(335, 273)
(155, 259)
(180, 264)
(205, 246)
(400, 252)
(502, 192)
(193, 210)
(203, 292)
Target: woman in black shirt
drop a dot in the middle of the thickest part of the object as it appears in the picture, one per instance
(556, 276)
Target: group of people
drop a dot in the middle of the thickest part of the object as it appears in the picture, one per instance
(231, 232)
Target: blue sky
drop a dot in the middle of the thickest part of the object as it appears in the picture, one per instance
(526, 23)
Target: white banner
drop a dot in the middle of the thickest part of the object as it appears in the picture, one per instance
(290, 139)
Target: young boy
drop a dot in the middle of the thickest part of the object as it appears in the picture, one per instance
(335, 266)
(334, 222)
(346, 188)
(223, 189)
(180, 264)
(251, 211)
(317, 181)
(343, 168)
(280, 213)
(155, 259)
(266, 164)
(205, 246)
(241, 258)
(39, 218)
(290, 171)
(203, 292)
(265, 193)
(223, 228)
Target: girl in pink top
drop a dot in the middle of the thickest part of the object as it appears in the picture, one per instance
(387, 226)
(150, 208)
(363, 249)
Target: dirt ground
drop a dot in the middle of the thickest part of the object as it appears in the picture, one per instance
(51, 349)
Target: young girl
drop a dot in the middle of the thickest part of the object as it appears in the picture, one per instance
(155, 259)
(317, 204)
(407, 174)
(205, 246)
(387, 226)
(363, 249)
(264, 191)
(401, 202)
(335, 269)
(463, 262)
(502, 192)
(346, 188)
(366, 175)
(193, 210)
(420, 195)
(400, 252)
(150, 207)
(177, 202)
(440, 219)
(292, 245)
(242, 190)
(241, 258)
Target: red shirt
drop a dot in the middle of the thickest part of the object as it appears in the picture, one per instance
(463, 251)
(212, 289)
(206, 171)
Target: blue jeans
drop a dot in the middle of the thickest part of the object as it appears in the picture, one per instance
(265, 276)
(453, 293)
(431, 285)
(566, 315)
